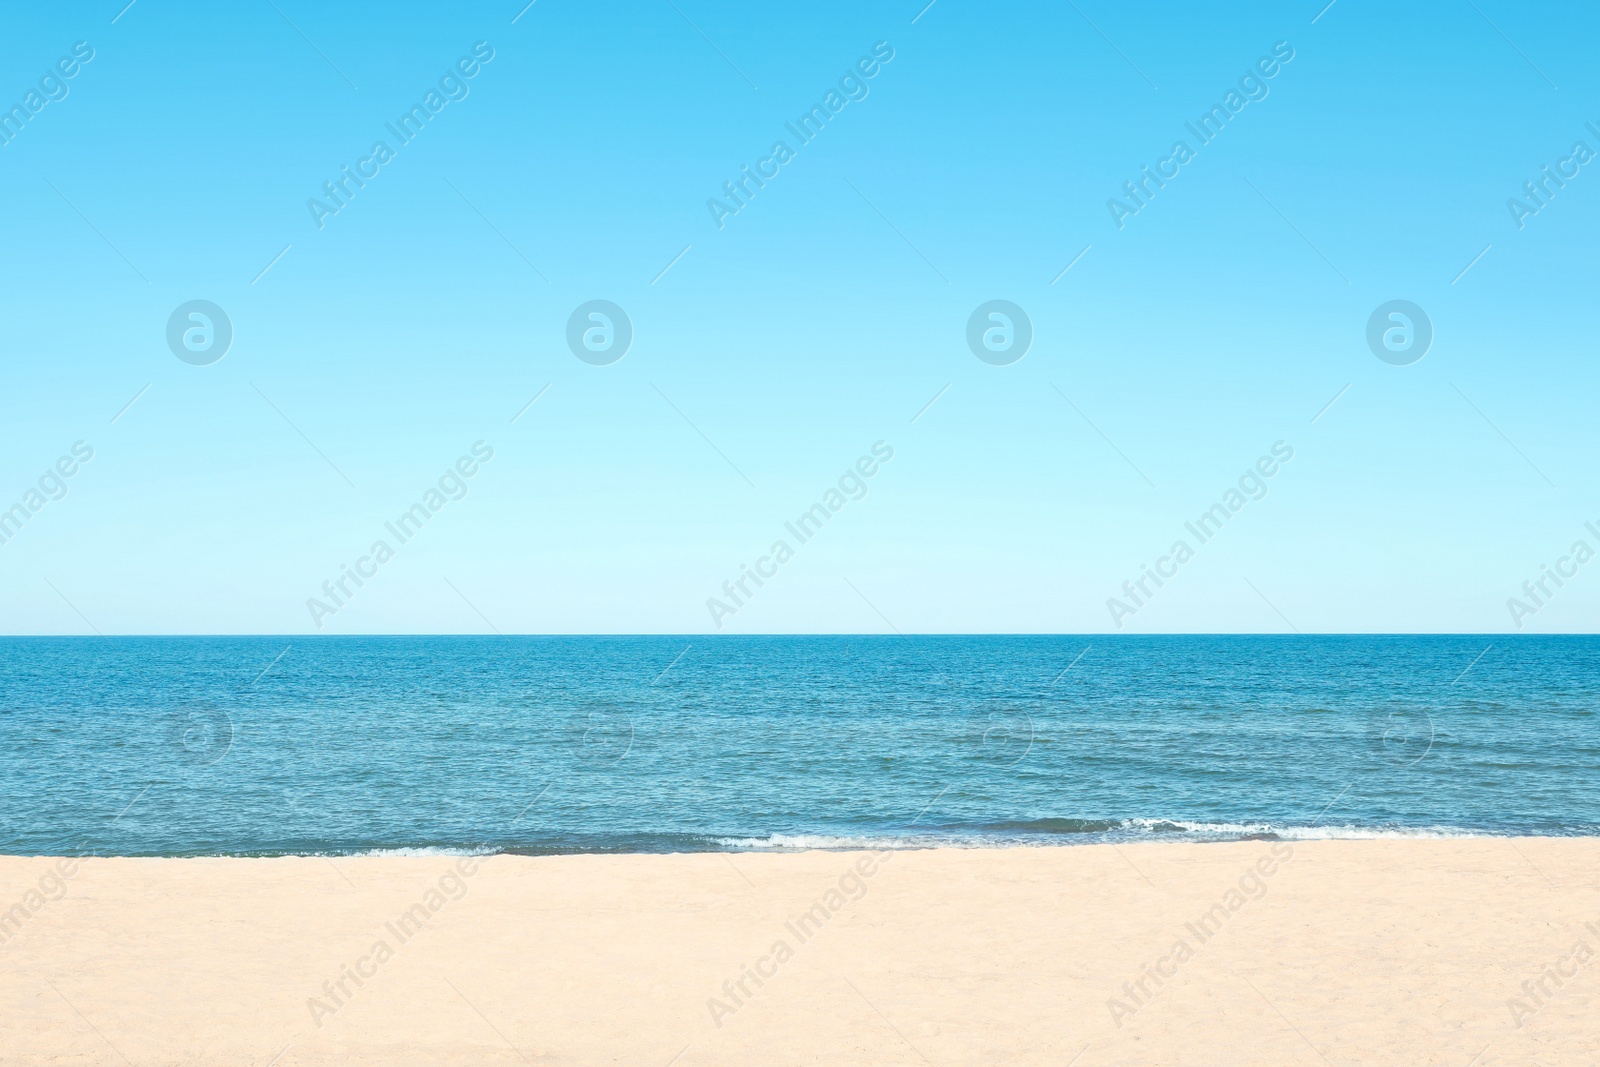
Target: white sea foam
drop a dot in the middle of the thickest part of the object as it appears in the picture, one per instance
(1125, 831)
(1292, 832)
(428, 850)
(806, 842)
(1128, 830)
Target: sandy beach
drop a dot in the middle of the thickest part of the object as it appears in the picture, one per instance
(1257, 952)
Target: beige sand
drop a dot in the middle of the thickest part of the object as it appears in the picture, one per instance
(1374, 952)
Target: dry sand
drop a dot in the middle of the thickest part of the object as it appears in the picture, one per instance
(1372, 952)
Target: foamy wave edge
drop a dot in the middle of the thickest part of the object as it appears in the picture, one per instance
(1132, 831)
(423, 851)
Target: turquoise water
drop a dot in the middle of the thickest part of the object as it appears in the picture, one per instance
(260, 745)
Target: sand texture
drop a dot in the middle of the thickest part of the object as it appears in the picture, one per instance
(1448, 952)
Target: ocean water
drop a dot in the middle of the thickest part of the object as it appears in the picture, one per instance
(265, 746)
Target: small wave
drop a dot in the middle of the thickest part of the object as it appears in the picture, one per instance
(1056, 826)
(1036, 833)
(422, 850)
(1292, 832)
(831, 842)
(1020, 833)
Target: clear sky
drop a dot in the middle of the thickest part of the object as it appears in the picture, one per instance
(969, 153)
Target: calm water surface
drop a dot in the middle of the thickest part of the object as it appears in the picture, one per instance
(183, 746)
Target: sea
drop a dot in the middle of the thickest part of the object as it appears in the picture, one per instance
(267, 746)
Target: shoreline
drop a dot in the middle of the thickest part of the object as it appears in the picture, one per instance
(1394, 950)
(841, 844)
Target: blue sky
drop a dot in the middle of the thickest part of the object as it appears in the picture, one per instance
(370, 354)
